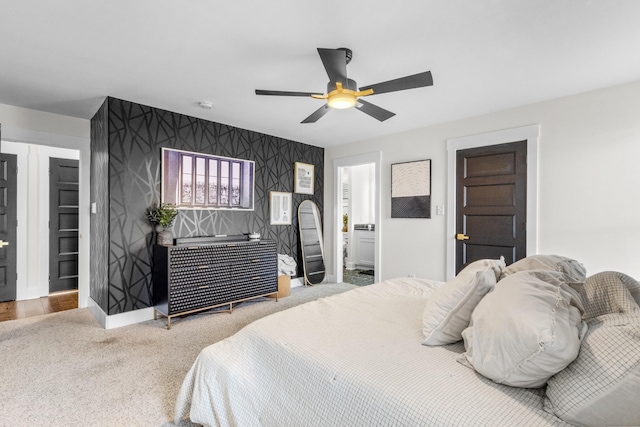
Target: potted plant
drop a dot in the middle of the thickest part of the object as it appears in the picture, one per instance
(163, 216)
(345, 223)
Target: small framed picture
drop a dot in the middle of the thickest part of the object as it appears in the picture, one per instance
(303, 180)
(280, 208)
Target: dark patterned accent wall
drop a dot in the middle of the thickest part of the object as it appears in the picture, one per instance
(136, 134)
(99, 226)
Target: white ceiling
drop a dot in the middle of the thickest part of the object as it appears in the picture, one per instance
(485, 55)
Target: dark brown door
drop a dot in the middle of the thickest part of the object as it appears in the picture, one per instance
(8, 224)
(63, 225)
(491, 197)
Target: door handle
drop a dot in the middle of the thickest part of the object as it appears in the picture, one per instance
(3, 243)
(461, 236)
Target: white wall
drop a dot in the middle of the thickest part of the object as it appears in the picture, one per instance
(588, 183)
(59, 134)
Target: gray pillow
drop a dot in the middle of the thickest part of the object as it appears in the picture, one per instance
(574, 270)
(609, 292)
(601, 387)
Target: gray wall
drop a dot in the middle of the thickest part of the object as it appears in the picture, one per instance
(135, 135)
(99, 222)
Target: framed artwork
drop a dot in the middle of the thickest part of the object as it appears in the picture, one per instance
(411, 189)
(280, 208)
(205, 181)
(303, 180)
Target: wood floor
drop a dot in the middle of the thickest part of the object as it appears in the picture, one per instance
(34, 307)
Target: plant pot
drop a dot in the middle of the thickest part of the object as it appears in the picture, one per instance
(345, 229)
(165, 238)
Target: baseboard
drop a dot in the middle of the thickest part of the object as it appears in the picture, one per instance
(118, 320)
(365, 266)
(299, 281)
(142, 315)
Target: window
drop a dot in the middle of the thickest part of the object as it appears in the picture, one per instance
(202, 181)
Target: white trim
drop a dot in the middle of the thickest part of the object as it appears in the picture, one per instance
(360, 159)
(97, 312)
(18, 135)
(121, 319)
(528, 133)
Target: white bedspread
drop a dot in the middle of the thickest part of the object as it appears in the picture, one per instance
(352, 359)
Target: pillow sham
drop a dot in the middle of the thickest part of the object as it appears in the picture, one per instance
(526, 330)
(609, 292)
(575, 271)
(601, 387)
(634, 289)
(449, 308)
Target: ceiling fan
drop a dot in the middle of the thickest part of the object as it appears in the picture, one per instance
(343, 92)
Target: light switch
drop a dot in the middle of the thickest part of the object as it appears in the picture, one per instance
(439, 210)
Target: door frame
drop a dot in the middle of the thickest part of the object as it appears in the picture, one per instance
(49, 142)
(54, 255)
(22, 153)
(343, 162)
(530, 134)
(10, 237)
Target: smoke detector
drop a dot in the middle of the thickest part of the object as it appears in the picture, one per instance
(206, 105)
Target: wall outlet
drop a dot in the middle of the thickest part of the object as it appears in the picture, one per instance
(413, 276)
(439, 210)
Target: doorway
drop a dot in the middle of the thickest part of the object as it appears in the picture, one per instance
(529, 136)
(357, 195)
(359, 223)
(33, 196)
(63, 224)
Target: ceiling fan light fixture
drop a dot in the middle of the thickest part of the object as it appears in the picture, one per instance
(341, 101)
(341, 98)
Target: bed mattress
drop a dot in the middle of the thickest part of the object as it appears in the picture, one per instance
(351, 359)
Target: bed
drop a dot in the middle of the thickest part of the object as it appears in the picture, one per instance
(352, 359)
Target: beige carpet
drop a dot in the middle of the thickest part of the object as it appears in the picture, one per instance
(63, 369)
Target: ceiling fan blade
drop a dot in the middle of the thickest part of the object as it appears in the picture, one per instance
(408, 82)
(317, 114)
(335, 62)
(284, 93)
(374, 111)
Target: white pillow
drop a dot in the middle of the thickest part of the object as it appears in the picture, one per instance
(449, 308)
(575, 271)
(526, 330)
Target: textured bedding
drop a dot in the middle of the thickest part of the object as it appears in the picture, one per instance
(353, 359)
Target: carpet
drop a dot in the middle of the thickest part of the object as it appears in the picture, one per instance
(65, 369)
